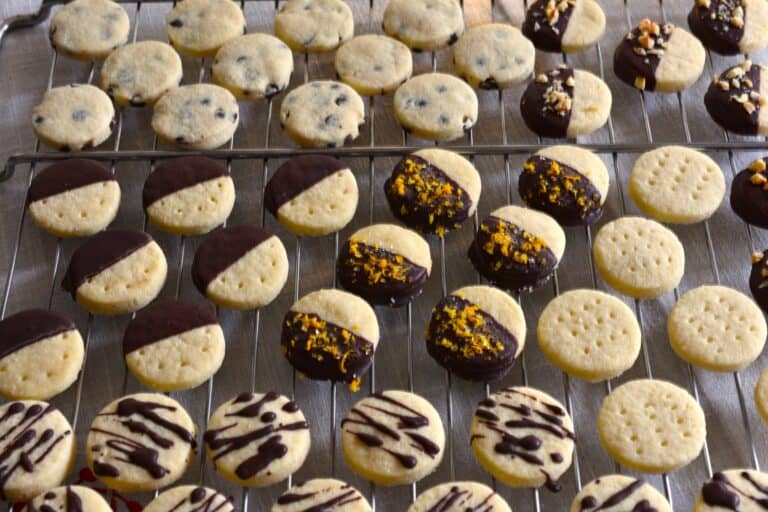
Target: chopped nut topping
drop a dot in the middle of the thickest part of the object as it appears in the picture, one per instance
(757, 166)
(748, 82)
(570, 82)
(737, 22)
(741, 98)
(703, 3)
(723, 85)
(542, 78)
(640, 82)
(758, 179)
(551, 12)
(734, 72)
(736, 83)
(638, 50)
(746, 64)
(646, 41)
(754, 96)
(749, 107)
(756, 256)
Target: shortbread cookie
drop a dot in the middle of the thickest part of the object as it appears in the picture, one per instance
(173, 345)
(659, 57)
(253, 66)
(373, 64)
(189, 195)
(517, 248)
(139, 73)
(639, 257)
(322, 114)
(385, 264)
(758, 279)
(197, 116)
(190, 498)
(651, 426)
(564, 25)
(38, 449)
(326, 493)
(736, 100)
(494, 56)
(116, 271)
(436, 106)
(76, 197)
(589, 334)
(74, 117)
(424, 25)
(198, 28)
(749, 193)
(330, 335)
(141, 442)
(565, 102)
(730, 27)
(312, 195)
(89, 29)
(740, 490)
(433, 190)
(70, 498)
(314, 26)
(257, 439)
(476, 332)
(761, 395)
(523, 437)
(619, 493)
(41, 353)
(459, 497)
(567, 182)
(240, 267)
(401, 431)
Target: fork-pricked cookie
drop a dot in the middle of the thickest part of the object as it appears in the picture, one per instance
(619, 493)
(730, 27)
(198, 28)
(328, 493)
(424, 25)
(459, 497)
(89, 29)
(737, 98)
(314, 26)
(564, 25)
(373, 64)
(253, 66)
(739, 490)
(190, 498)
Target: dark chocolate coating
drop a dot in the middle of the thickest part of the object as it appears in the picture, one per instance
(164, 319)
(718, 33)
(729, 113)
(67, 175)
(758, 281)
(749, 200)
(29, 326)
(537, 109)
(297, 175)
(180, 173)
(628, 64)
(545, 36)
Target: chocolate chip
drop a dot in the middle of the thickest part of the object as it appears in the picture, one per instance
(79, 115)
(39, 119)
(270, 90)
(137, 100)
(234, 117)
(454, 37)
(332, 119)
(331, 145)
(180, 140)
(177, 23)
(341, 100)
(205, 101)
(441, 89)
(421, 103)
(416, 50)
(220, 113)
(335, 86)
(480, 61)
(241, 59)
(443, 119)
(489, 84)
(377, 68)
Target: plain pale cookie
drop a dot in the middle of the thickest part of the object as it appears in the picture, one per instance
(253, 66)
(424, 25)
(89, 29)
(70, 498)
(736, 99)
(373, 64)
(327, 493)
(314, 26)
(761, 395)
(198, 28)
(566, 26)
(617, 493)
(190, 498)
(459, 497)
(730, 27)
(740, 490)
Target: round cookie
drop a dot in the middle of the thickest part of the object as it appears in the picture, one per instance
(565, 102)
(385, 264)
(517, 248)
(38, 449)
(70, 498)
(436, 106)
(565, 26)
(312, 195)
(736, 100)
(758, 279)
(41, 353)
(659, 57)
(198, 28)
(327, 493)
(330, 335)
(75, 197)
(567, 182)
(638, 257)
(189, 195)
(253, 66)
(424, 25)
(190, 498)
(240, 267)
(401, 431)
(373, 64)
(116, 271)
(74, 117)
(89, 29)
(749, 193)
(314, 26)
(618, 493)
(322, 114)
(433, 190)
(459, 497)
(476, 332)
(740, 490)
(173, 345)
(257, 439)
(523, 437)
(137, 74)
(651, 426)
(761, 395)
(730, 27)
(197, 116)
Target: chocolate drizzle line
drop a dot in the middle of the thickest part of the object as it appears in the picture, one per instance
(733, 99)
(458, 499)
(67, 175)
(297, 175)
(180, 173)
(30, 326)
(546, 22)
(590, 503)
(322, 500)
(197, 501)
(547, 102)
(638, 55)
(165, 319)
(721, 492)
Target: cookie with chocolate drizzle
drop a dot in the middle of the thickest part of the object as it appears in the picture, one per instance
(619, 493)
(739, 490)
(69, 498)
(459, 497)
(190, 498)
(321, 494)
(736, 99)
(564, 25)
(730, 27)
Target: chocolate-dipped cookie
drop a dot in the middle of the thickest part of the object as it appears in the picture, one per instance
(736, 100)
(749, 193)
(564, 25)
(758, 279)
(730, 27)
(328, 494)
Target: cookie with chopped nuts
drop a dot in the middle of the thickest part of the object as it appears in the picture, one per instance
(730, 27)
(424, 25)
(564, 25)
(758, 279)
(749, 193)
(736, 99)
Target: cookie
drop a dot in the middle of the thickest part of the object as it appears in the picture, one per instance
(730, 27)
(459, 497)
(761, 395)
(38, 449)
(140, 442)
(736, 100)
(326, 493)
(758, 279)
(401, 431)
(189, 195)
(76, 197)
(322, 114)
(240, 267)
(749, 193)
(424, 25)
(89, 29)
(137, 74)
(74, 117)
(198, 28)
(257, 439)
(330, 335)
(373, 64)
(589, 335)
(70, 498)
(476, 332)
(565, 102)
(493, 56)
(436, 106)
(517, 248)
(741, 490)
(116, 271)
(253, 66)
(565, 26)
(314, 26)
(190, 498)
(617, 493)
(173, 345)
(638, 257)
(566, 182)
(651, 426)
(197, 116)
(523, 437)
(433, 190)
(384, 264)
(312, 195)
(659, 57)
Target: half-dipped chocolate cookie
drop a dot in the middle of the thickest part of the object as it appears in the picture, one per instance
(564, 25)
(385, 264)
(433, 190)
(330, 335)
(749, 193)
(736, 100)
(730, 27)
(517, 248)
(758, 279)
(329, 494)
